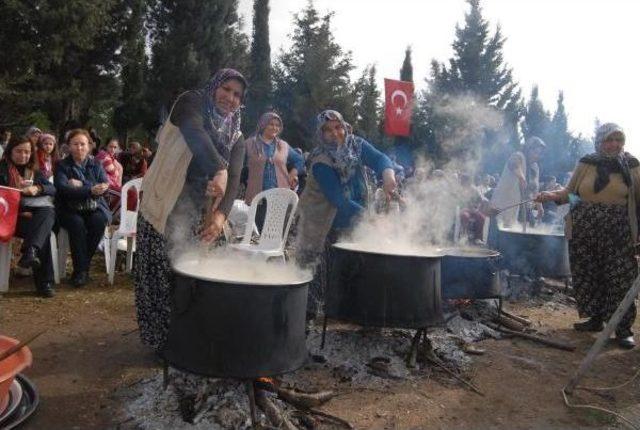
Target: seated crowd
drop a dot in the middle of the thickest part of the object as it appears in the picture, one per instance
(70, 189)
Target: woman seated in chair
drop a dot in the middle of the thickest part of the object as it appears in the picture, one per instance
(267, 157)
(19, 169)
(81, 183)
(335, 195)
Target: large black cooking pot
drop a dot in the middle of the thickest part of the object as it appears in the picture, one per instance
(236, 330)
(384, 290)
(535, 254)
(471, 273)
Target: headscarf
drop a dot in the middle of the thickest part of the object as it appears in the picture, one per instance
(223, 130)
(345, 157)
(607, 164)
(264, 120)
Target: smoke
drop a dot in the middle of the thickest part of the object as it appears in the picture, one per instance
(434, 197)
(226, 264)
(424, 224)
(466, 129)
(220, 262)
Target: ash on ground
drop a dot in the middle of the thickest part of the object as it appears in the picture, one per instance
(223, 404)
(353, 357)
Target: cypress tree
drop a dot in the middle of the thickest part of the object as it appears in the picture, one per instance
(368, 106)
(130, 111)
(190, 41)
(478, 74)
(406, 72)
(312, 75)
(537, 121)
(260, 95)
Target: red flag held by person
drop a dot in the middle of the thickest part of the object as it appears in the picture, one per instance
(9, 205)
(398, 107)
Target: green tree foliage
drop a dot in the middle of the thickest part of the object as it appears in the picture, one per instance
(190, 41)
(59, 59)
(477, 73)
(406, 72)
(261, 92)
(311, 75)
(367, 106)
(563, 149)
(537, 121)
(130, 111)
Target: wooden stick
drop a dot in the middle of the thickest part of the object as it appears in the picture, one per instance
(4, 355)
(275, 416)
(603, 337)
(516, 318)
(331, 418)
(508, 323)
(514, 205)
(454, 375)
(548, 342)
(305, 400)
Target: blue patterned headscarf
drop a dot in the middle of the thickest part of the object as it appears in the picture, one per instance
(346, 157)
(223, 130)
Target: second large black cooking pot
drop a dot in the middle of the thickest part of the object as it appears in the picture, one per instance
(384, 290)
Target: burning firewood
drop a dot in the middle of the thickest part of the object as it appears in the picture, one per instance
(275, 416)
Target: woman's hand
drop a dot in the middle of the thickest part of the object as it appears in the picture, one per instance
(293, 179)
(99, 189)
(33, 190)
(75, 182)
(218, 185)
(389, 184)
(546, 196)
(213, 227)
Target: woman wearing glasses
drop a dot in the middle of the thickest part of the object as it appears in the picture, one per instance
(602, 229)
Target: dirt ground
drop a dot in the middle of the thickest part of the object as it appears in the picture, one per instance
(91, 350)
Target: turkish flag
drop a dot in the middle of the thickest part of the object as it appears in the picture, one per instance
(398, 107)
(9, 205)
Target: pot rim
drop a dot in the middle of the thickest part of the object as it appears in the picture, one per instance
(467, 252)
(348, 246)
(298, 283)
(528, 233)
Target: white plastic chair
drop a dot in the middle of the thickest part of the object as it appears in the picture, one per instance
(5, 262)
(124, 237)
(238, 218)
(280, 203)
(5, 265)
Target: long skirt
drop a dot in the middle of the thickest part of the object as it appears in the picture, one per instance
(603, 263)
(319, 284)
(153, 285)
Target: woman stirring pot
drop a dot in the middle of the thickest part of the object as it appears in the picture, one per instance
(602, 229)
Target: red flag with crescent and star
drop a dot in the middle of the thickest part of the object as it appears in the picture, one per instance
(9, 205)
(398, 107)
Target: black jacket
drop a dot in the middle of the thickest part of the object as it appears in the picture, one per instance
(91, 174)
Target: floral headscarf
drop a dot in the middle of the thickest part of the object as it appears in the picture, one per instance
(345, 157)
(223, 130)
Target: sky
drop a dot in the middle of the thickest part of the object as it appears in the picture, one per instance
(583, 47)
